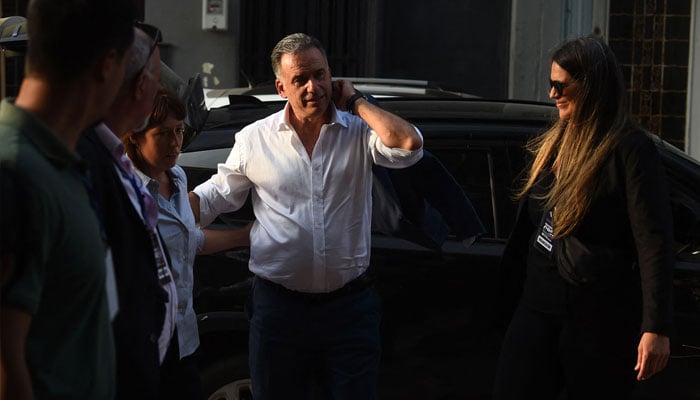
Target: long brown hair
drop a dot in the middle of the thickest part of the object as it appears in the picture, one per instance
(578, 147)
(165, 104)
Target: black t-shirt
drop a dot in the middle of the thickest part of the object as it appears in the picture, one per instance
(544, 288)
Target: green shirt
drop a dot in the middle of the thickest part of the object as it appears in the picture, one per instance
(69, 348)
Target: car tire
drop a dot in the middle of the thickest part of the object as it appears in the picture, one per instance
(227, 379)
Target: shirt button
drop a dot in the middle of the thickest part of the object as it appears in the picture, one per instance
(153, 338)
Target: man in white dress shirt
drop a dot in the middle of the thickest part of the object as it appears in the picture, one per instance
(314, 310)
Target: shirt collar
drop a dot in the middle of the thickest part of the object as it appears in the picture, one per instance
(110, 140)
(153, 185)
(336, 118)
(38, 133)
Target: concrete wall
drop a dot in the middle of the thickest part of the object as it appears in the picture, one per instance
(462, 44)
(537, 27)
(535, 30)
(189, 50)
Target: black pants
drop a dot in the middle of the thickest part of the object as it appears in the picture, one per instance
(298, 342)
(547, 356)
(179, 378)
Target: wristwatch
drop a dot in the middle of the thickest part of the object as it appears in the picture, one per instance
(350, 104)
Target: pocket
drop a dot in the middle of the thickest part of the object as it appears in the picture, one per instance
(584, 264)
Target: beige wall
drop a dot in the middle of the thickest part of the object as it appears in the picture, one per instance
(692, 137)
(188, 49)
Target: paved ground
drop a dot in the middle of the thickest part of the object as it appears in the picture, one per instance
(445, 359)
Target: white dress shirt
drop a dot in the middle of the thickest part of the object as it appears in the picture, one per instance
(313, 215)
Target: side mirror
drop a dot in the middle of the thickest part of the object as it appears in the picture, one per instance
(13, 34)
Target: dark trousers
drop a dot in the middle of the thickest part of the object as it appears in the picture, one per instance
(179, 377)
(309, 348)
(545, 356)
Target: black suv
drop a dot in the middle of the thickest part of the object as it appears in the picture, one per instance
(441, 328)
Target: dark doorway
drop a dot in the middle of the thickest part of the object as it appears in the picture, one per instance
(460, 44)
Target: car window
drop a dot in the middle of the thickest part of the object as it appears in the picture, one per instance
(485, 159)
(470, 167)
(684, 188)
(487, 176)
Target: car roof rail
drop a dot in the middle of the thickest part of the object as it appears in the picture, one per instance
(386, 81)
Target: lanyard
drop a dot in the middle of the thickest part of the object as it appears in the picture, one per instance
(137, 191)
(164, 276)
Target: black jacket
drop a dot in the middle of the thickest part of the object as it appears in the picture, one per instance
(139, 321)
(629, 216)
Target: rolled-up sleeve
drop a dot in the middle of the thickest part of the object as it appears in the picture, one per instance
(199, 239)
(393, 157)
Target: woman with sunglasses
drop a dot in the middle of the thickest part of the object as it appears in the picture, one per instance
(591, 256)
(154, 152)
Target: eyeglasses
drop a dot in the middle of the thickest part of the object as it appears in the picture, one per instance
(558, 86)
(153, 33)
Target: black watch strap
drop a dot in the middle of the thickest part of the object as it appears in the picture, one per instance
(350, 104)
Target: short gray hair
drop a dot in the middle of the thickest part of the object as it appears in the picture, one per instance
(292, 44)
(139, 53)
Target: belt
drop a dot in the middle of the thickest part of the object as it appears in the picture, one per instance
(362, 282)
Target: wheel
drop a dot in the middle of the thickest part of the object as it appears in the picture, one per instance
(228, 379)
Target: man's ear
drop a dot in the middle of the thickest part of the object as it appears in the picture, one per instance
(140, 85)
(280, 88)
(109, 67)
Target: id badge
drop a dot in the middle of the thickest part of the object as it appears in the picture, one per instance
(161, 264)
(111, 286)
(544, 239)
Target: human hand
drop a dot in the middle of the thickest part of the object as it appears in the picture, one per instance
(342, 91)
(652, 355)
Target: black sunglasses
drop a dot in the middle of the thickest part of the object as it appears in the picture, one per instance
(558, 87)
(153, 33)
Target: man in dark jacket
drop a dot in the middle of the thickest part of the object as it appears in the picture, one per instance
(143, 324)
